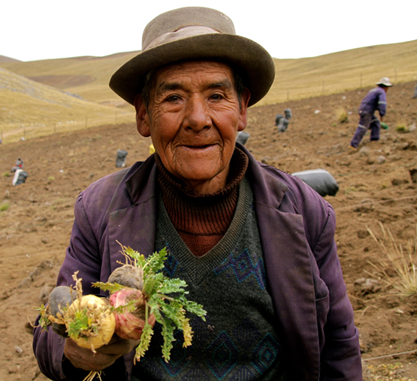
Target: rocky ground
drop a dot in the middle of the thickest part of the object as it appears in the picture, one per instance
(376, 187)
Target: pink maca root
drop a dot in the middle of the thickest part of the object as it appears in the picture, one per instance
(129, 325)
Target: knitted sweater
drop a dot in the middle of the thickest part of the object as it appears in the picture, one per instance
(201, 220)
(239, 339)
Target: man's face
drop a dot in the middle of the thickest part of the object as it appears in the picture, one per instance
(193, 117)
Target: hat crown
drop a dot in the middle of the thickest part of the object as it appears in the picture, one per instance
(176, 19)
(195, 33)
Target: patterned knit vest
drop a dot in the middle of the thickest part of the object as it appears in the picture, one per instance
(239, 339)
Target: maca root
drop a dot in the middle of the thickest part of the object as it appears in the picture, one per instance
(127, 275)
(141, 295)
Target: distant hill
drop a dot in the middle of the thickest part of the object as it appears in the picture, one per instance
(347, 70)
(4, 59)
(295, 78)
(28, 104)
(87, 77)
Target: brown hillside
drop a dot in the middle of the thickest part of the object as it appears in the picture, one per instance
(98, 70)
(32, 108)
(295, 78)
(375, 186)
(4, 59)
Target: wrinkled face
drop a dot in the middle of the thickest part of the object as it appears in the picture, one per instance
(193, 117)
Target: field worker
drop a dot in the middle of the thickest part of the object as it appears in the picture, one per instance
(375, 100)
(254, 244)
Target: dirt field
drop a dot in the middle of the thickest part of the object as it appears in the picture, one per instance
(375, 186)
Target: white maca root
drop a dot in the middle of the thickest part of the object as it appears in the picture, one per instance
(101, 318)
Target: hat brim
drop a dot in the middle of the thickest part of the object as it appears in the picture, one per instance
(253, 62)
(384, 84)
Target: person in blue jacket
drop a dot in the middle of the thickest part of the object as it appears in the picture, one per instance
(375, 100)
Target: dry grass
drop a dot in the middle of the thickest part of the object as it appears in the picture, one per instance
(384, 372)
(342, 115)
(333, 73)
(402, 261)
(401, 126)
(4, 206)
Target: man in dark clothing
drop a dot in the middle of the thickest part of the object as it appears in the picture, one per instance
(375, 100)
(255, 245)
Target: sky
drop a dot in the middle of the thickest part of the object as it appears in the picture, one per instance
(43, 29)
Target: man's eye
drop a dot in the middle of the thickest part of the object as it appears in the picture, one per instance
(216, 96)
(172, 98)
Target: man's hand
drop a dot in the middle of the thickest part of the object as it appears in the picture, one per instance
(104, 357)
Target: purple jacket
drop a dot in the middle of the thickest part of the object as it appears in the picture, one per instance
(297, 229)
(375, 100)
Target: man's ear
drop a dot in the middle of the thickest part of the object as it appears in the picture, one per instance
(142, 117)
(244, 109)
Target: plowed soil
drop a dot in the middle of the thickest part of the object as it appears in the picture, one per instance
(376, 187)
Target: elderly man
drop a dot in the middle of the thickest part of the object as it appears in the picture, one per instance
(255, 245)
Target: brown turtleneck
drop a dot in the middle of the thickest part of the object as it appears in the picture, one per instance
(202, 220)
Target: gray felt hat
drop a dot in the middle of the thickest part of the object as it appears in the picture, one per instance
(195, 33)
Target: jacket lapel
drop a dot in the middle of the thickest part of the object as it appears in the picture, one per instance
(133, 225)
(290, 281)
(287, 260)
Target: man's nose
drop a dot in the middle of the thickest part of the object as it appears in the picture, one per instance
(197, 114)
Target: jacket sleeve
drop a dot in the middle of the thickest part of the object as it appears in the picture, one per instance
(382, 103)
(83, 256)
(340, 355)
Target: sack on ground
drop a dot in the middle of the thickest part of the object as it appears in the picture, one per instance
(320, 180)
(121, 158)
(242, 137)
(20, 177)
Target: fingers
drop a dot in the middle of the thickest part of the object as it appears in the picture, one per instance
(105, 356)
(60, 329)
(118, 345)
(86, 359)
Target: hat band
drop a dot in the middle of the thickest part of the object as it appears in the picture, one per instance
(187, 31)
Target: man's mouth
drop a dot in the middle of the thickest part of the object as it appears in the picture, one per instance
(199, 146)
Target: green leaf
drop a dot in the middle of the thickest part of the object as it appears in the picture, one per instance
(195, 308)
(80, 323)
(128, 307)
(111, 287)
(168, 335)
(145, 340)
(133, 254)
(155, 262)
(172, 311)
(174, 285)
(44, 313)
